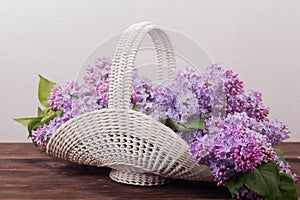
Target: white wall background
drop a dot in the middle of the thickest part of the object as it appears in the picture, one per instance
(258, 39)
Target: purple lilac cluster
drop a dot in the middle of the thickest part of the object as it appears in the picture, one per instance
(44, 133)
(142, 94)
(230, 145)
(284, 167)
(195, 90)
(274, 130)
(176, 100)
(172, 101)
(234, 95)
(238, 136)
(61, 97)
(73, 99)
(249, 102)
(97, 79)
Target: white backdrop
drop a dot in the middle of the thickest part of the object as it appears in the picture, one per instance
(258, 39)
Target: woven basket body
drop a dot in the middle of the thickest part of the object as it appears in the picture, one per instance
(139, 149)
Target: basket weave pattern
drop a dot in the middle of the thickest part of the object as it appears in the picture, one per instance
(139, 149)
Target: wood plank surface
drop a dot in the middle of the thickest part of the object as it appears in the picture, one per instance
(26, 173)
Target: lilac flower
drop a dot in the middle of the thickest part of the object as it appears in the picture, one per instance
(97, 79)
(187, 102)
(175, 100)
(233, 85)
(73, 99)
(284, 167)
(250, 102)
(230, 145)
(98, 72)
(163, 105)
(238, 136)
(275, 131)
(190, 84)
(215, 76)
(84, 100)
(61, 97)
(142, 94)
(42, 134)
(237, 103)
(256, 109)
(163, 99)
(102, 93)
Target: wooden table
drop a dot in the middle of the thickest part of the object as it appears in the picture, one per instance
(25, 173)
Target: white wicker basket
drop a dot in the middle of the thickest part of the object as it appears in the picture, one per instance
(139, 149)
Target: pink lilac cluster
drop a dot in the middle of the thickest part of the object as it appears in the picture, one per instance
(230, 145)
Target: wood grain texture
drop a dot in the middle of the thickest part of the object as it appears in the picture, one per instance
(25, 173)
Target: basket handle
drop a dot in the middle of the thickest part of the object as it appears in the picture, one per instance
(120, 86)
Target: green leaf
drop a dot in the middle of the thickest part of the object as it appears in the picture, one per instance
(33, 124)
(40, 112)
(235, 183)
(264, 180)
(33, 121)
(24, 121)
(59, 113)
(45, 87)
(36, 125)
(287, 188)
(279, 154)
(196, 123)
(48, 117)
(192, 124)
(49, 114)
(136, 107)
(172, 125)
